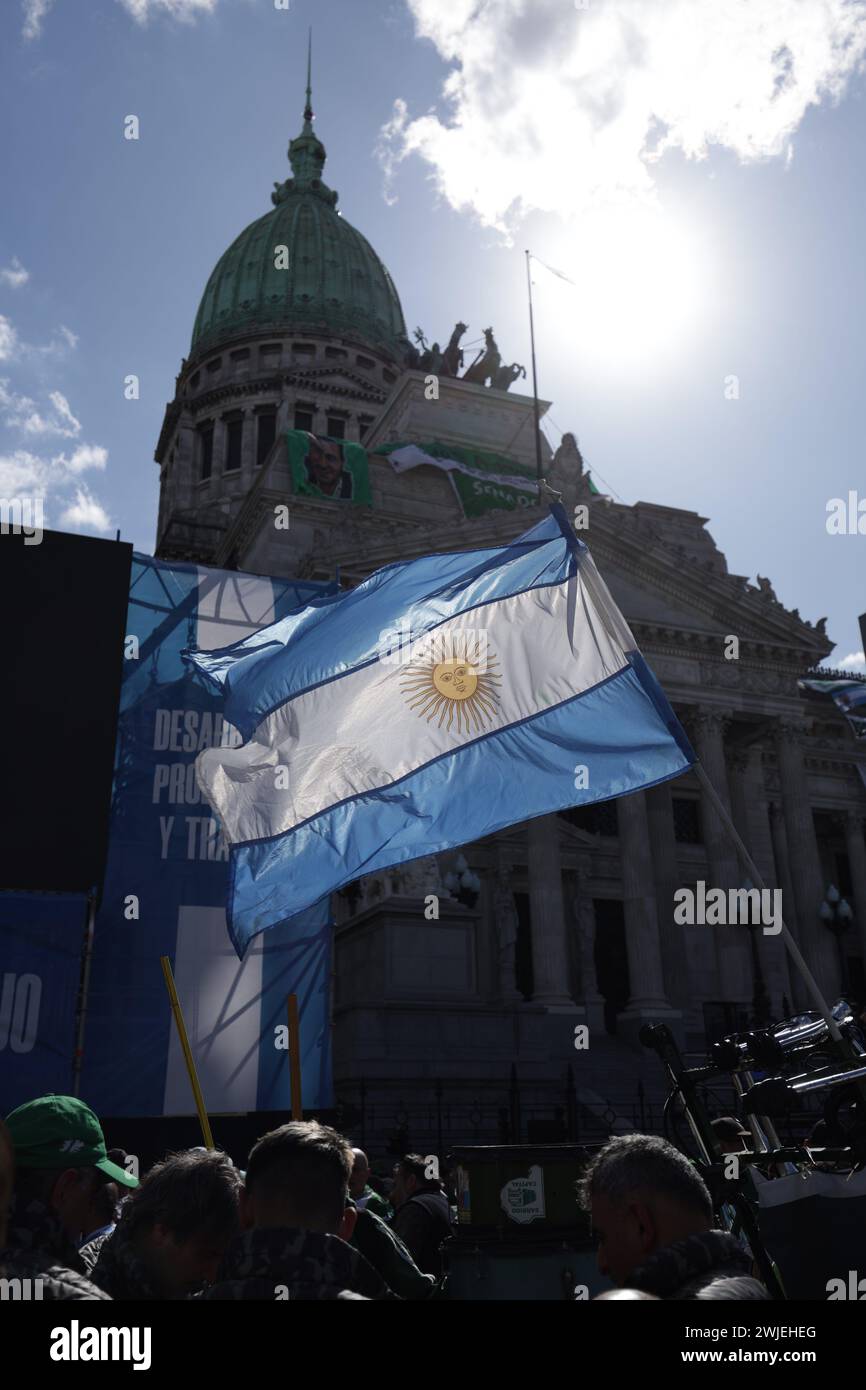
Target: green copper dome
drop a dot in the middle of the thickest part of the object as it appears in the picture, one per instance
(334, 280)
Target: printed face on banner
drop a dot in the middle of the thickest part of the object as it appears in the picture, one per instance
(325, 470)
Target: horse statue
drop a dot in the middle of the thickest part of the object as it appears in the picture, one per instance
(452, 357)
(506, 376)
(486, 365)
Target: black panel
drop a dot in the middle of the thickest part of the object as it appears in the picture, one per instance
(63, 611)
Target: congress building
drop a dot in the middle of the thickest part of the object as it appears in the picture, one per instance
(469, 1018)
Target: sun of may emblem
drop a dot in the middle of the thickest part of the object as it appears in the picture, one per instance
(458, 682)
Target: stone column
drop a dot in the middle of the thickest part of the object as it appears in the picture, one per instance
(856, 847)
(549, 947)
(248, 446)
(816, 942)
(646, 976)
(733, 953)
(505, 933)
(584, 916)
(751, 817)
(663, 849)
(796, 988)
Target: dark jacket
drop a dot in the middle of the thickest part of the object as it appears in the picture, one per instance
(90, 1252)
(283, 1262)
(688, 1268)
(422, 1224)
(388, 1255)
(37, 1247)
(122, 1272)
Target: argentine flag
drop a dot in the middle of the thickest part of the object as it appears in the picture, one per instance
(439, 701)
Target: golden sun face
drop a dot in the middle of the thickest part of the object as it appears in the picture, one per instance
(458, 683)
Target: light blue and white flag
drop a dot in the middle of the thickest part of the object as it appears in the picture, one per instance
(439, 701)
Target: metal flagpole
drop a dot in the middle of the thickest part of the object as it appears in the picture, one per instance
(84, 991)
(534, 378)
(295, 1057)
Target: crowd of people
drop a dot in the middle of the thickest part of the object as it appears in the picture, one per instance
(307, 1219)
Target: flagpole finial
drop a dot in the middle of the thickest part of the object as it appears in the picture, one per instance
(308, 107)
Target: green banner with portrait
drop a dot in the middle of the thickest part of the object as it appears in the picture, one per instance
(330, 468)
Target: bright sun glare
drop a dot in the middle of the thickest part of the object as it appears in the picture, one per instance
(639, 286)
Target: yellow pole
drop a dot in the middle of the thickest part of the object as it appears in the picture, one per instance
(295, 1057)
(187, 1051)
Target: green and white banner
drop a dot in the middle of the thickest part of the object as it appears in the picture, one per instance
(483, 482)
(323, 467)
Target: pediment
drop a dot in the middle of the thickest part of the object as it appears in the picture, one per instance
(672, 593)
(339, 378)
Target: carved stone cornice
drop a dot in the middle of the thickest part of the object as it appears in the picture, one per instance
(734, 675)
(816, 763)
(308, 382)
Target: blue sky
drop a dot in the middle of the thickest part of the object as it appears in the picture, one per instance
(703, 184)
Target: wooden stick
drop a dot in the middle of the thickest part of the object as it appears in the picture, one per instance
(187, 1051)
(295, 1056)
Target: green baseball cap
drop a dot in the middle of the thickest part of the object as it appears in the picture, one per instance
(62, 1132)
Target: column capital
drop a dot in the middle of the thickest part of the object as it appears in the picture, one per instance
(789, 732)
(853, 817)
(708, 722)
(738, 758)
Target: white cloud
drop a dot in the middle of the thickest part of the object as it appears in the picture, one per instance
(557, 108)
(60, 344)
(21, 413)
(20, 472)
(8, 338)
(14, 274)
(141, 10)
(87, 456)
(64, 414)
(854, 661)
(34, 13)
(86, 513)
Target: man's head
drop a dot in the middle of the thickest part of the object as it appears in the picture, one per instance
(182, 1217)
(325, 464)
(731, 1136)
(642, 1194)
(61, 1160)
(410, 1177)
(298, 1176)
(360, 1173)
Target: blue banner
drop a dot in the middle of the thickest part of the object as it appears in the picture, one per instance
(41, 941)
(167, 878)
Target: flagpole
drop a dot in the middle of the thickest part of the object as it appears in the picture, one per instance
(295, 1057)
(534, 379)
(793, 949)
(203, 1120)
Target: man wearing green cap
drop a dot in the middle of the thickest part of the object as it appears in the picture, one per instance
(60, 1165)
